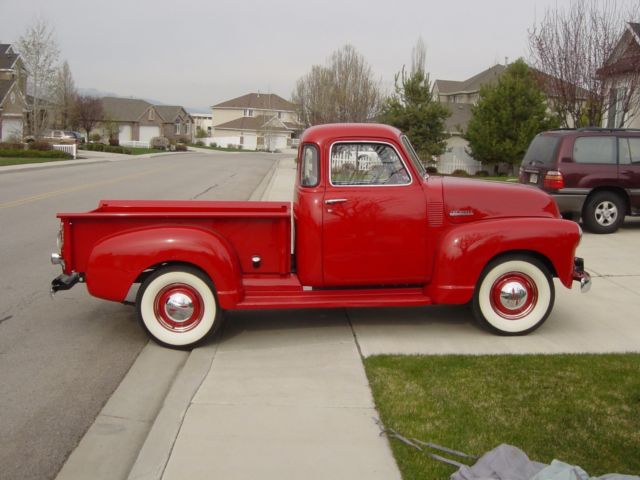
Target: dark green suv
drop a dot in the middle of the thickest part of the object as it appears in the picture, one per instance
(592, 173)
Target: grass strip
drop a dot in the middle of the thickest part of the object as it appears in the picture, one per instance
(581, 409)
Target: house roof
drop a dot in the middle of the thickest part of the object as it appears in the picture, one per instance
(259, 101)
(626, 55)
(472, 84)
(460, 116)
(7, 56)
(170, 112)
(124, 109)
(253, 123)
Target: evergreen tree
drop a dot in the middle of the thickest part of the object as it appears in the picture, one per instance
(507, 117)
(413, 110)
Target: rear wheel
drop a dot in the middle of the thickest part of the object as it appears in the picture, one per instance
(514, 296)
(177, 306)
(603, 212)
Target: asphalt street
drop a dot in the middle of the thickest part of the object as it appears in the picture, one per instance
(61, 359)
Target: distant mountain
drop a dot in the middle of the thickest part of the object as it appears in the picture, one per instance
(93, 92)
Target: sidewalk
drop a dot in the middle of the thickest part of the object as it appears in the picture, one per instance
(277, 395)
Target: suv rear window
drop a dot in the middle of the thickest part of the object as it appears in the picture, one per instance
(595, 150)
(542, 150)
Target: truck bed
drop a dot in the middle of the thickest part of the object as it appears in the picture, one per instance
(252, 228)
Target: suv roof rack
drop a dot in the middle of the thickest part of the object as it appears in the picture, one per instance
(605, 129)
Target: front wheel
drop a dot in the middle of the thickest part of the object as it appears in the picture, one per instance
(177, 306)
(514, 296)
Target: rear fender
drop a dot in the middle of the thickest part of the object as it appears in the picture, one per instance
(465, 250)
(116, 262)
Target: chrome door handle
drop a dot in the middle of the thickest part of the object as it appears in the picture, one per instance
(333, 201)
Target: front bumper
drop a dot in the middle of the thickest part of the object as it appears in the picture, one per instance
(580, 275)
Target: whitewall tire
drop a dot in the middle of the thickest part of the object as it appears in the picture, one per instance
(177, 306)
(514, 296)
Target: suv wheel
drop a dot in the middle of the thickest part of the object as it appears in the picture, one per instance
(603, 212)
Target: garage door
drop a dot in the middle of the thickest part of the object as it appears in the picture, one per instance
(125, 133)
(11, 129)
(147, 133)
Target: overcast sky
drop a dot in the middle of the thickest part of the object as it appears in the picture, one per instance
(198, 53)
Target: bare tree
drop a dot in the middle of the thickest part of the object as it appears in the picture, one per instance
(342, 91)
(64, 96)
(39, 52)
(570, 47)
(89, 112)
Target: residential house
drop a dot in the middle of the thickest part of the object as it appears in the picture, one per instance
(460, 96)
(204, 122)
(13, 104)
(621, 72)
(139, 121)
(256, 121)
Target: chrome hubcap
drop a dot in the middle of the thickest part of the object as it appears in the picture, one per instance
(513, 295)
(179, 307)
(606, 213)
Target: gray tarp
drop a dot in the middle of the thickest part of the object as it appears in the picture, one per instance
(507, 462)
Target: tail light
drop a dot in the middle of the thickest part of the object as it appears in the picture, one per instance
(553, 180)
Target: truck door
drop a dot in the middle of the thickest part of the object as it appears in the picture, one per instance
(374, 219)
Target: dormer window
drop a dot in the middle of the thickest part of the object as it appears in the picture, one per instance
(152, 114)
(248, 112)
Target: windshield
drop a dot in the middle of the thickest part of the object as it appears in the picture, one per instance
(415, 160)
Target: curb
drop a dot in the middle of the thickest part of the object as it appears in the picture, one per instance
(261, 191)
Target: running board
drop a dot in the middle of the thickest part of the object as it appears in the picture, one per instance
(380, 297)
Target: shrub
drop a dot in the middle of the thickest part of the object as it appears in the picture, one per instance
(432, 170)
(181, 147)
(40, 145)
(95, 137)
(482, 173)
(460, 173)
(159, 143)
(22, 153)
(11, 146)
(114, 142)
(213, 144)
(199, 143)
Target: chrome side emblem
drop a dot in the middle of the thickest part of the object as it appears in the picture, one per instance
(461, 213)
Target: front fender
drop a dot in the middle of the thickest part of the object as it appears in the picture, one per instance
(465, 250)
(116, 262)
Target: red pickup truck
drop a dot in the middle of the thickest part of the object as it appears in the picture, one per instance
(371, 229)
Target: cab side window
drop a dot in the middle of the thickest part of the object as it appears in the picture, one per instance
(310, 167)
(367, 164)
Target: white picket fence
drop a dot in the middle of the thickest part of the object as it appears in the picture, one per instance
(458, 159)
(134, 144)
(363, 162)
(71, 149)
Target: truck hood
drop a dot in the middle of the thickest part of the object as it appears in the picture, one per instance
(467, 200)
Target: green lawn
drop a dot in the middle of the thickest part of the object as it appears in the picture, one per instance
(6, 161)
(581, 409)
(222, 149)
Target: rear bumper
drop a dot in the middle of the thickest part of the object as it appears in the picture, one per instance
(579, 275)
(64, 282)
(570, 201)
